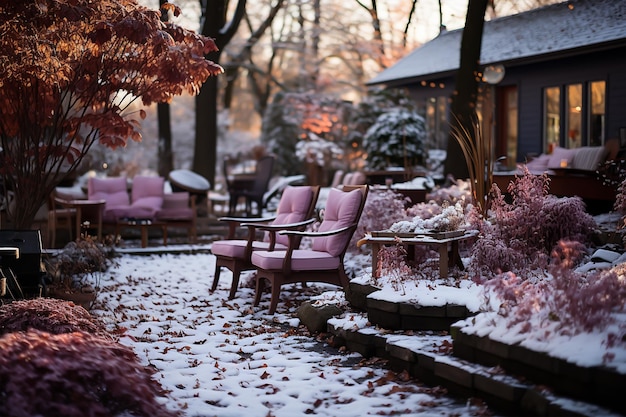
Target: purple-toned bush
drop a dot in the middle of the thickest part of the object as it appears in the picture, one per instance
(458, 191)
(564, 301)
(48, 315)
(620, 203)
(525, 231)
(382, 208)
(74, 375)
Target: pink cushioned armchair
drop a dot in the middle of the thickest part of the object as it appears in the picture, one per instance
(295, 211)
(324, 261)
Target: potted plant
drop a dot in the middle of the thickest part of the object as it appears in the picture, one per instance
(74, 273)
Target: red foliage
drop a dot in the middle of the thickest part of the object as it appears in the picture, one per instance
(49, 315)
(73, 375)
(70, 69)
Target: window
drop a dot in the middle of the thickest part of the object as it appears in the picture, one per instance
(437, 122)
(579, 119)
(597, 106)
(574, 115)
(552, 121)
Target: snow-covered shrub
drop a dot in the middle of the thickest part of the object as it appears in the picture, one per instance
(396, 139)
(382, 208)
(317, 151)
(531, 225)
(562, 301)
(458, 190)
(450, 217)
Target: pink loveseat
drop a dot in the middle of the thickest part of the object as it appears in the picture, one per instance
(145, 199)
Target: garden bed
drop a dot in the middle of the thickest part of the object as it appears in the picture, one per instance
(427, 356)
(599, 383)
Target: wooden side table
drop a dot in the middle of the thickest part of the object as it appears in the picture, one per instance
(143, 225)
(93, 209)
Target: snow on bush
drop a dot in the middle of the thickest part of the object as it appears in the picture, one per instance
(396, 139)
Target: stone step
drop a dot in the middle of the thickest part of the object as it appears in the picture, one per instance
(428, 356)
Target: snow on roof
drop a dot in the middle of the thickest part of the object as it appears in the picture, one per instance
(557, 28)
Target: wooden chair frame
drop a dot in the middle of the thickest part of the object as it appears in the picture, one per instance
(285, 275)
(237, 265)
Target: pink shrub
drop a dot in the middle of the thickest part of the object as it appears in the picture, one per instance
(525, 231)
(382, 209)
(574, 302)
(73, 375)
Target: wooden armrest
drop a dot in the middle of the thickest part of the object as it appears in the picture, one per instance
(246, 219)
(315, 234)
(280, 227)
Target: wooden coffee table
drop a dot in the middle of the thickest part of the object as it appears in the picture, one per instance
(143, 225)
(448, 247)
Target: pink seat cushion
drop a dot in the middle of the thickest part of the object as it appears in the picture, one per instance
(302, 260)
(237, 248)
(342, 209)
(293, 207)
(561, 155)
(539, 164)
(145, 186)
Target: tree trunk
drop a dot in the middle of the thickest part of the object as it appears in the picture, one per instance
(463, 108)
(165, 159)
(214, 25)
(164, 156)
(204, 156)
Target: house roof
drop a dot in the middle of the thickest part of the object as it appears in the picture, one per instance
(538, 34)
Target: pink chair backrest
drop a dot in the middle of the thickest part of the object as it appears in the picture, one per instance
(342, 209)
(358, 178)
(113, 190)
(293, 208)
(147, 186)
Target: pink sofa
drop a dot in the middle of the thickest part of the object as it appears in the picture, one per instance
(145, 200)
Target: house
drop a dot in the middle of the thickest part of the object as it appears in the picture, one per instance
(554, 76)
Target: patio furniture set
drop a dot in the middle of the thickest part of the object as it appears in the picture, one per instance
(278, 258)
(119, 204)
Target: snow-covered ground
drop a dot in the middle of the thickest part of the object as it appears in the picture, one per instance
(228, 358)
(221, 358)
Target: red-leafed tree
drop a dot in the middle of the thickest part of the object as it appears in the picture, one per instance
(69, 72)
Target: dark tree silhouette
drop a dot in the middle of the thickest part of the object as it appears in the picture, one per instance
(215, 25)
(165, 157)
(465, 95)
